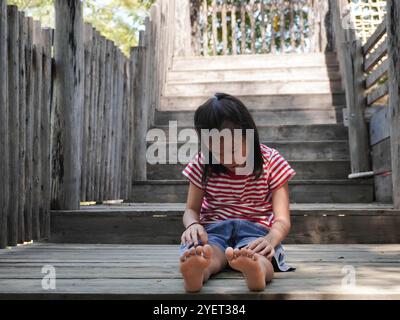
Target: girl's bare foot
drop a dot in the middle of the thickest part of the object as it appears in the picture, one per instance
(193, 265)
(250, 264)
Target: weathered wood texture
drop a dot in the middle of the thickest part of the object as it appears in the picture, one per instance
(69, 55)
(4, 143)
(394, 94)
(24, 117)
(130, 272)
(272, 27)
(350, 56)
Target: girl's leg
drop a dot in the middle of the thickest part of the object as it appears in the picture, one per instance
(198, 264)
(257, 269)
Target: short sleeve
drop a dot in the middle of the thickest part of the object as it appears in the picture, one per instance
(194, 171)
(279, 171)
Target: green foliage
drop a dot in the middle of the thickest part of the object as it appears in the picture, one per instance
(117, 20)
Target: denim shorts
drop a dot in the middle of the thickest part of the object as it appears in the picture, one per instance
(238, 233)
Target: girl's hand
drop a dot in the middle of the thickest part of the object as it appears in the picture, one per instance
(263, 247)
(193, 234)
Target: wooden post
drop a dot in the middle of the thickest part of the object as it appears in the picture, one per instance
(354, 84)
(4, 144)
(13, 99)
(138, 56)
(183, 29)
(393, 30)
(22, 126)
(69, 86)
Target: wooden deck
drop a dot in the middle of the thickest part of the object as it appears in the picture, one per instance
(151, 271)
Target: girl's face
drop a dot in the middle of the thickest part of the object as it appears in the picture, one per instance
(231, 154)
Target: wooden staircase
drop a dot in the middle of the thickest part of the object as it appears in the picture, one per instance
(297, 103)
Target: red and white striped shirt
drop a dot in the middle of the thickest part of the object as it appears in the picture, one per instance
(231, 196)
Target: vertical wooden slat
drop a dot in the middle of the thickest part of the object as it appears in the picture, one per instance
(93, 116)
(22, 127)
(263, 28)
(13, 98)
(292, 33)
(214, 28)
(243, 28)
(4, 142)
(69, 57)
(140, 112)
(252, 26)
(45, 134)
(224, 29)
(393, 29)
(29, 129)
(301, 26)
(124, 181)
(282, 7)
(234, 31)
(37, 146)
(272, 14)
(114, 115)
(358, 132)
(205, 30)
(88, 31)
(100, 119)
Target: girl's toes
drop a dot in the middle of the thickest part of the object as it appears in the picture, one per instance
(199, 250)
(192, 251)
(236, 253)
(229, 253)
(207, 251)
(186, 254)
(243, 252)
(249, 253)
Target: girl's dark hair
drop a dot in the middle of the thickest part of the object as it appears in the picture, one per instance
(226, 111)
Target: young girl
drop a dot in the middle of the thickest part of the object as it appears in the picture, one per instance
(230, 218)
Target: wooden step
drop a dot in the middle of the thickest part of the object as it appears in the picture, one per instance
(301, 191)
(249, 88)
(294, 150)
(333, 115)
(306, 170)
(286, 132)
(260, 102)
(260, 61)
(267, 74)
(151, 272)
(161, 223)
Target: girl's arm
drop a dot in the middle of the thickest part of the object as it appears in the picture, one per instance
(281, 226)
(192, 215)
(280, 205)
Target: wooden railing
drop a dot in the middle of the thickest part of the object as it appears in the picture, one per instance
(371, 78)
(228, 27)
(74, 113)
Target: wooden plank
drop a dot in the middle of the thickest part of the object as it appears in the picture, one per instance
(381, 164)
(69, 55)
(22, 126)
(243, 37)
(224, 30)
(29, 130)
(45, 133)
(13, 100)
(205, 29)
(4, 139)
(379, 126)
(234, 30)
(88, 45)
(393, 14)
(100, 119)
(282, 26)
(358, 134)
(377, 74)
(214, 27)
(250, 11)
(377, 93)
(375, 56)
(37, 145)
(375, 37)
(129, 227)
(264, 22)
(140, 113)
